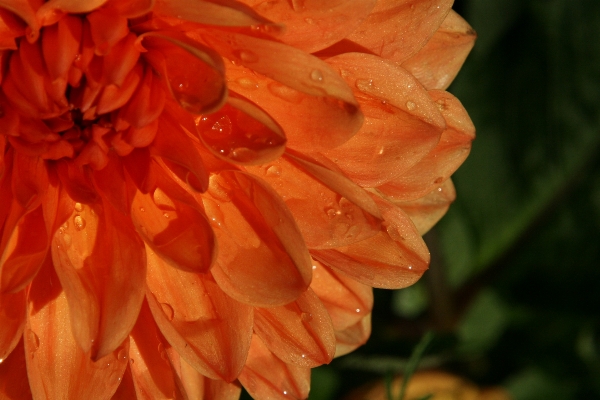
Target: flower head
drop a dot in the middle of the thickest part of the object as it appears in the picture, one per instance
(195, 195)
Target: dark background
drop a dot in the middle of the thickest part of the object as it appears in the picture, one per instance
(512, 292)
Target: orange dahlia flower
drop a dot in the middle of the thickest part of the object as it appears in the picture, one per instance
(200, 194)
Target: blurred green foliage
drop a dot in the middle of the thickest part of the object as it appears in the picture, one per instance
(518, 254)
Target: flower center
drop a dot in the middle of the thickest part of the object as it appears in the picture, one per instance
(81, 89)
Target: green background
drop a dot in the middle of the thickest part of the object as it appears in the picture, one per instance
(512, 292)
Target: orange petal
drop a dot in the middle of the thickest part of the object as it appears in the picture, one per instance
(402, 122)
(396, 30)
(262, 258)
(172, 143)
(199, 387)
(12, 320)
(267, 377)
(106, 28)
(101, 264)
(14, 384)
(77, 181)
(315, 98)
(146, 103)
(220, 12)
(123, 57)
(24, 249)
(126, 390)
(195, 74)
(426, 211)
(437, 64)
(340, 215)
(346, 300)
(444, 159)
(11, 27)
(141, 169)
(114, 97)
(56, 365)
(60, 45)
(352, 337)
(207, 328)
(53, 9)
(241, 133)
(30, 180)
(395, 258)
(299, 332)
(150, 367)
(26, 11)
(180, 234)
(315, 24)
(131, 8)
(112, 185)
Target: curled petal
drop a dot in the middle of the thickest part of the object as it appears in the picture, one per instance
(53, 9)
(12, 320)
(77, 181)
(172, 143)
(315, 24)
(352, 337)
(11, 27)
(195, 73)
(346, 300)
(299, 332)
(180, 234)
(101, 264)
(262, 258)
(26, 11)
(207, 328)
(437, 64)
(311, 116)
(14, 384)
(220, 12)
(396, 30)
(443, 160)
(146, 103)
(426, 211)
(150, 367)
(241, 133)
(340, 215)
(402, 122)
(394, 258)
(57, 366)
(267, 377)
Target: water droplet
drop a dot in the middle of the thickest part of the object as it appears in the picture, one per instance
(285, 392)
(364, 85)
(78, 207)
(142, 209)
(67, 239)
(309, 21)
(410, 267)
(285, 93)
(163, 352)
(34, 341)
(122, 354)
(1, 360)
(314, 267)
(331, 212)
(438, 180)
(298, 5)
(306, 317)
(303, 355)
(247, 56)
(168, 310)
(380, 151)
(410, 105)
(79, 222)
(131, 360)
(274, 170)
(358, 310)
(166, 215)
(316, 75)
(247, 83)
